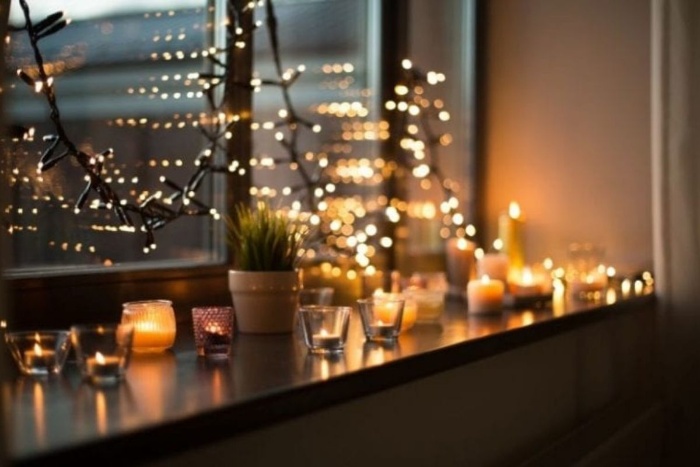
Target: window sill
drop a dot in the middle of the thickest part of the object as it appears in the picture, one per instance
(268, 379)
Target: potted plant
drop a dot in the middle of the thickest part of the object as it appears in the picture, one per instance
(265, 280)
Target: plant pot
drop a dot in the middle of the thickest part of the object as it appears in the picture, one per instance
(264, 302)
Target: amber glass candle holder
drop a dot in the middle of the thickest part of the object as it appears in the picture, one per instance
(154, 324)
(39, 353)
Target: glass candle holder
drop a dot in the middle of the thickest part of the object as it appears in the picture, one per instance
(430, 304)
(213, 330)
(154, 324)
(324, 327)
(39, 353)
(103, 351)
(381, 317)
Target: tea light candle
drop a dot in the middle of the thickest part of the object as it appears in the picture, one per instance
(101, 366)
(380, 329)
(385, 311)
(326, 340)
(39, 357)
(215, 335)
(525, 285)
(485, 295)
(587, 284)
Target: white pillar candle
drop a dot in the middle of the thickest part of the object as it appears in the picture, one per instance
(485, 295)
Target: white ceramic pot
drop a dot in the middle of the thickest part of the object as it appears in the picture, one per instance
(264, 302)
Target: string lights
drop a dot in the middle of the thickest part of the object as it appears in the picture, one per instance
(351, 223)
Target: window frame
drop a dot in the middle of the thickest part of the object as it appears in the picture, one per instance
(93, 295)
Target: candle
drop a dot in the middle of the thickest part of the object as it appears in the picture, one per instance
(494, 265)
(525, 285)
(154, 324)
(386, 310)
(587, 284)
(485, 295)
(430, 304)
(326, 340)
(102, 366)
(510, 231)
(39, 357)
(214, 334)
(459, 262)
(383, 330)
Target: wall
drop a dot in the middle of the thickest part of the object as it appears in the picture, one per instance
(567, 124)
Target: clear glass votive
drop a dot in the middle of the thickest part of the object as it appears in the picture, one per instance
(324, 327)
(39, 353)
(154, 324)
(316, 296)
(103, 351)
(381, 317)
(213, 330)
(430, 304)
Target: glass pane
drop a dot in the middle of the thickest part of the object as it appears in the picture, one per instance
(330, 165)
(121, 82)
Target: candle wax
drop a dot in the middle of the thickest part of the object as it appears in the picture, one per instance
(107, 366)
(485, 295)
(326, 341)
(39, 359)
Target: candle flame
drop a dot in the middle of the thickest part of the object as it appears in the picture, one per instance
(99, 358)
(527, 276)
(380, 322)
(514, 210)
(37, 337)
(485, 279)
(323, 332)
(37, 350)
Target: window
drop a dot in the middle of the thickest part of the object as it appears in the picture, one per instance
(123, 82)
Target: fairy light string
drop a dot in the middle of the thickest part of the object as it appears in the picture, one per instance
(355, 233)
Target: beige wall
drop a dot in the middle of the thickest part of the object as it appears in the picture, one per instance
(567, 130)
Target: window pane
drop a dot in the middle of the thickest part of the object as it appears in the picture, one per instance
(121, 82)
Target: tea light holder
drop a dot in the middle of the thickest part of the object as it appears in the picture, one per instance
(154, 324)
(213, 330)
(381, 317)
(39, 353)
(430, 304)
(324, 327)
(103, 351)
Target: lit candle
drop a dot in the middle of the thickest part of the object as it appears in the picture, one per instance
(386, 310)
(485, 295)
(525, 285)
(381, 329)
(154, 324)
(326, 340)
(510, 231)
(214, 334)
(39, 357)
(101, 366)
(588, 283)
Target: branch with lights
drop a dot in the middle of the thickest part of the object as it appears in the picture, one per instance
(157, 210)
